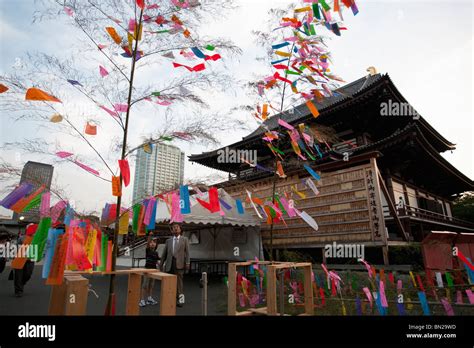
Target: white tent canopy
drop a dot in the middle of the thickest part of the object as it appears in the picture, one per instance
(200, 215)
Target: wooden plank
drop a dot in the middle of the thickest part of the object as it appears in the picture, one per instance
(76, 295)
(168, 294)
(271, 290)
(133, 294)
(308, 290)
(57, 299)
(231, 290)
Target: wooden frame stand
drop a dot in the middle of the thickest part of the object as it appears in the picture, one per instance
(70, 298)
(271, 290)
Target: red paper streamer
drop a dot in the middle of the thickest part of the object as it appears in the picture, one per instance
(125, 171)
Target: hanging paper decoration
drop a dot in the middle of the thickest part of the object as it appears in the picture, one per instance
(110, 112)
(49, 252)
(196, 68)
(312, 108)
(124, 171)
(116, 187)
(121, 107)
(176, 215)
(312, 172)
(184, 202)
(87, 168)
(308, 219)
(38, 94)
(424, 303)
(123, 223)
(57, 209)
(141, 4)
(213, 205)
(3, 88)
(91, 129)
(113, 34)
(75, 83)
(18, 193)
(39, 239)
(103, 72)
(56, 118)
(63, 154)
(45, 203)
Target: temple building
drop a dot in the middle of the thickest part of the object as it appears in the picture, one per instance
(383, 181)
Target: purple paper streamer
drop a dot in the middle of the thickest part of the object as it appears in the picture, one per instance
(358, 306)
(17, 194)
(45, 202)
(57, 209)
(447, 306)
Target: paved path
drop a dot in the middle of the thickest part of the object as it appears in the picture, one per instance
(35, 300)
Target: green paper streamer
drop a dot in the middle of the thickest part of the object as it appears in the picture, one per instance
(310, 155)
(39, 238)
(277, 150)
(324, 5)
(210, 48)
(316, 12)
(167, 138)
(312, 30)
(449, 279)
(282, 208)
(136, 215)
(34, 203)
(289, 72)
(156, 94)
(103, 255)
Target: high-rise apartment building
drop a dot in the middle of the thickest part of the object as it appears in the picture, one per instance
(37, 174)
(158, 170)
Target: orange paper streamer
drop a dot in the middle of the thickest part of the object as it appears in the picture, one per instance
(19, 262)
(3, 88)
(113, 34)
(312, 108)
(38, 94)
(56, 273)
(91, 129)
(116, 187)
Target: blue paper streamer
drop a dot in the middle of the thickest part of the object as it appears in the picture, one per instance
(198, 52)
(151, 225)
(424, 303)
(401, 309)
(358, 306)
(279, 61)
(69, 215)
(312, 172)
(240, 207)
(275, 47)
(184, 199)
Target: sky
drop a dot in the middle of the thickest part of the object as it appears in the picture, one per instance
(425, 47)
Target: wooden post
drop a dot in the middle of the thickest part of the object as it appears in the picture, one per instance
(57, 299)
(308, 291)
(69, 298)
(271, 291)
(168, 294)
(76, 295)
(133, 294)
(231, 290)
(385, 255)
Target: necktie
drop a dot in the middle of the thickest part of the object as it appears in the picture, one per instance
(174, 244)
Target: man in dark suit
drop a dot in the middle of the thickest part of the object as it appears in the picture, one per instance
(176, 258)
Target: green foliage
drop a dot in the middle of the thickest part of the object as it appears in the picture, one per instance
(464, 207)
(406, 255)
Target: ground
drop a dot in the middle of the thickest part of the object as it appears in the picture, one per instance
(36, 297)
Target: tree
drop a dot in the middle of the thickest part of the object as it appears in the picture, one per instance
(463, 207)
(123, 37)
(299, 57)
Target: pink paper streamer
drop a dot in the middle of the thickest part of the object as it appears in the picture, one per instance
(459, 297)
(89, 169)
(447, 306)
(367, 266)
(383, 298)
(110, 112)
(285, 124)
(149, 211)
(176, 215)
(121, 107)
(63, 154)
(69, 11)
(369, 295)
(470, 296)
(45, 203)
(102, 71)
(291, 212)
